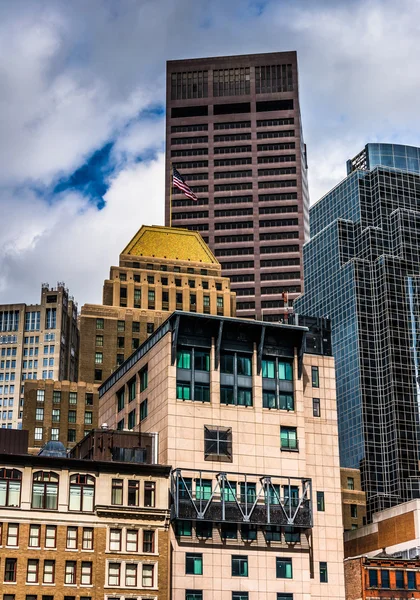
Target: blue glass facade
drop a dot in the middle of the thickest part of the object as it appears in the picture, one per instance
(361, 270)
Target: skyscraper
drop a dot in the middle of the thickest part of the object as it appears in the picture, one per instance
(234, 132)
(362, 270)
(37, 341)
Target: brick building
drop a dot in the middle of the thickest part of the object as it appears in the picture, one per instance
(160, 270)
(234, 131)
(59, 411)
(353, 499)
(82, 530)
(245, 413)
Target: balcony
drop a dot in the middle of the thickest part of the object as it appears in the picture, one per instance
(241, 498)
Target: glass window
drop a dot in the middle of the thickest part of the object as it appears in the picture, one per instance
(82, 492)
(70, 572)
(323, 572)
(244, 365)
(120, 399)
(350, 483)
(353, 511)
(86, 573)
(385, 579)
(269, 369)
(284, 596)
(229, 531)
(131, 575)
(132, 540)
(315, 377)
(32, 571)
(147, 575)
(132, 389)
(227, 362)
(13, 534)
(183, 391)
(45, 490)
(183, 360)
(285, 371)
(114, 574)
(55, 432)
(98, 358)
(50, 536)
(87, 538)
(133, 492)
(316, 407)
(240, 596)
(55, 415)
(71, 540)
(218, 443)
(99, 323)
(373, 578)
(143, 379)
(34, 536)
(148, 541)
(203, 489)
(248, 492)
(286, 402)
(204, 529)
(284, 568)
(184, 528)
(193, 595)
(399, 579)
(131, 421)
(115, 539)
(39, 413)
(239, 566)
(49, 571)
(72, 397)
(10, 485)
(143, 410)
(411, 580)
(201, 360)
(88, 417)
(117, 492)
(10, 567)
(193, 563)
(292, 535)
(320, 501)
(288, 438)
(149, 493)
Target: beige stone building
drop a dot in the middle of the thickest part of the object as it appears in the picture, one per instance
(162, 269)
(353, 499)
(59, 411)
(247, 419)
(82, 530)
(37, 341)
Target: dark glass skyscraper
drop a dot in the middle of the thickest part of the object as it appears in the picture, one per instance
(362, 270)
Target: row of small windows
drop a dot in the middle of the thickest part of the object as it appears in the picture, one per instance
(249, 237)
(48, 572)
(249, 225)
(198, 595)
(234, 149)
(276, 184)
(276, 210)
(274, 276)
(232, 174)
(233, 199)
(398, 579)
(291, 289)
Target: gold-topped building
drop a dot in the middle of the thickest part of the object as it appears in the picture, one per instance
(162, 269)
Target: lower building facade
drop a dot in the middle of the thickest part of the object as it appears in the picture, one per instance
(82, 530)
(247, 419)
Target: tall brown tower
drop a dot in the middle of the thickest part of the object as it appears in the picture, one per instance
(234, 132)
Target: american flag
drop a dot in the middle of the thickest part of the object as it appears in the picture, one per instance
(179, 182)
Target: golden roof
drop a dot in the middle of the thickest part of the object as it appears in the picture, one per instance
(170, 243)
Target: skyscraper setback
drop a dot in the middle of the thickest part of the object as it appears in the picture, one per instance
(234, 132)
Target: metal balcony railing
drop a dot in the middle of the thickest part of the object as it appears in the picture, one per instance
(241, 498)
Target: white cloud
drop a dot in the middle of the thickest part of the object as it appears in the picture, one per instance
(76, 75)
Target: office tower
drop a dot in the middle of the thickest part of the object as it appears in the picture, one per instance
(362, 271)
(247, 420)
(161, 270)
(234, 132)
(59, 411)
(37, 341)
(84, 529)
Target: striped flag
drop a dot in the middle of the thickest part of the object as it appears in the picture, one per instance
(179, 182)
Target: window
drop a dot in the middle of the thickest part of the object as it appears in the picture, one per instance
(143, 379)
(117, 492)
(86, 573)
(353, 511)
(99, 358)
(120, 399)
(131, 575)
(55, 415)
(89, 399)
(411, 580)
(218, 443)
(323, 572)
(284, 596)
(50, 536)
(49, 571)
(316, 407)
(229, 531)
(133, 492)
(114, 574)
(132, 389)
(55, 432)
(45, 490)
(183, 391)
(149, 493)
(373, 578)
(315, 377)
(88, 417)
(193, 564)
(32, 571)
(284, 568)
(70, 572)
(115, 539)
(135, 326)
(98, 374)
(10, 484)
(72, 397)
(350, 483)
(204, 529)
(12, 534)
(143, 410)
(131, 419)
(193, 595)
(10, 569)
(399, 579)
(132, 540)
(239, 566)
(147, 575)
(82, 492)
(320, 502)
(39, 414)
(288, 438)
(183, 359)
(34, 536)
(240, 596)
(71, 540)
(99, 340)
(87, 538)
(385, 579)
(148, 541)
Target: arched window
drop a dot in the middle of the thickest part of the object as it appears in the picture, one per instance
(82, 492)
(45, 490)
(10, 485)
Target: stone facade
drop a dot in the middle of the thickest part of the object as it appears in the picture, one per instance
(285, 448)
(93, 541)
(60, 411)
(353, 499)
(161, 270)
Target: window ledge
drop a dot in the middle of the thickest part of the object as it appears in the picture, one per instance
(289, 449)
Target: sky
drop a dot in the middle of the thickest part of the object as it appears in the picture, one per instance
(82, 112)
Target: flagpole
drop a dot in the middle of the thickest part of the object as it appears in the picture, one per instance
(170, 194)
